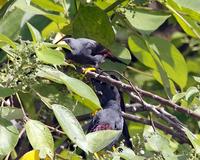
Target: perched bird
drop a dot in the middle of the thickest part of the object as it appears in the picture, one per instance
(88, 52)
(105, 92)
(108, 94)
(110, 118)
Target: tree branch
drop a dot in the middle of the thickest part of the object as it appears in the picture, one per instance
(178, 136)
(128, 88)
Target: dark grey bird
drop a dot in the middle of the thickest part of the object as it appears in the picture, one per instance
(110, 118)
(108, 94)
(88, 52)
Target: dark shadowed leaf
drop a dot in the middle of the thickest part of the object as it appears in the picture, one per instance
(40, 138)
(5, 92)
(92, 22)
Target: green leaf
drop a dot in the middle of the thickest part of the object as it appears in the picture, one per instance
(70, 125)
(172, 60)
(10, 113)
(145, 53)
(92, 22)
(10, 25)
(158, 143)
(191, 93)
(70, 7)
(177, 97)
(197, 79)
(122, 53)
(100, 139)
(188, 24)
(36, 37)
(127, 154)
(8, 41)
(5, 7)
(40, 138)
(194, 139)
(5, 92)
(151, 20)
(167, 57)
(83, 93)
(48, 5)
(8, 136)
(192, 4)
(50, 56)
(54, 93)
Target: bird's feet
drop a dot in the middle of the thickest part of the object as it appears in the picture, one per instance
(95, 112)
(86, 70)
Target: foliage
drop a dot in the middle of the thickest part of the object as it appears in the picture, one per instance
(40, 89)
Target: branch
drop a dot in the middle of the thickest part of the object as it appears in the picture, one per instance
(178, 136)
(128, 88)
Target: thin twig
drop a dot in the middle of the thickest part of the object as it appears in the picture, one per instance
(20, 103)
(55, 130)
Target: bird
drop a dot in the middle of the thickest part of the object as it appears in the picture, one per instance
(107, 94)
(87, 52)
(109, 118)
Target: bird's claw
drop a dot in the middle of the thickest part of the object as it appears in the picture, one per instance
(114, 149)
(86, 70)
(95, 112)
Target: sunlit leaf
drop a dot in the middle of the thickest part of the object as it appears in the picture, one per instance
(50, 56)
(8, 41)
(8, 136)
(70, 125)
(48, 5)
(177, 97)
(36, 37)
(194, 139)
(188, 24)
(10, 25)
(196, 79)
(82, 91)
(100, 139)
(40, 138)
(158, 143)
(190, 93)
(151, 20)
(168, 58)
